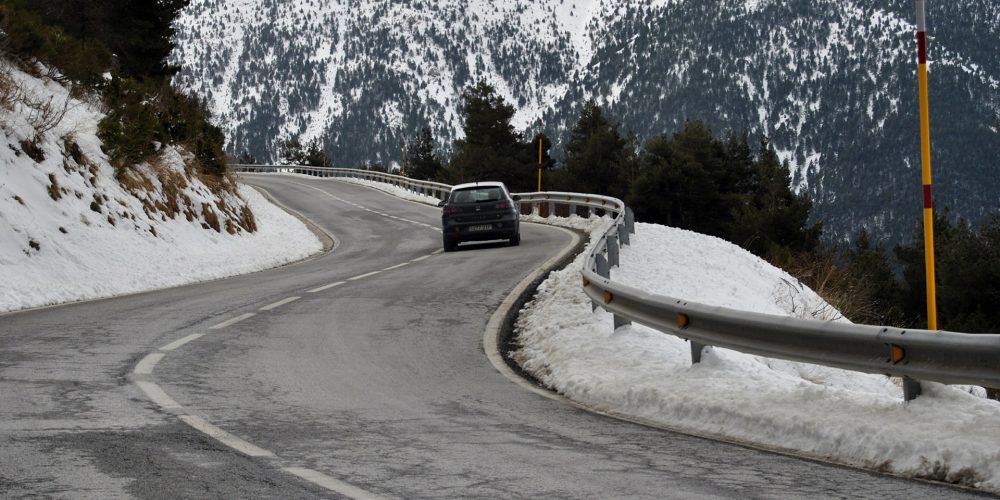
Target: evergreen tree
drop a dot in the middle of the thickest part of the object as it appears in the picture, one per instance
(774, 221)
(967, 265)
(529, 156)
(294, 152)
(424, 163)
(598, 158)
(868, 264)
(683, 182)
(491, 148)
(138, 32)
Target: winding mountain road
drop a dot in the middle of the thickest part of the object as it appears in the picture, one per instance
(357, 373)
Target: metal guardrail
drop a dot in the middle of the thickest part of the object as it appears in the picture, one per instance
(940, 356)
(440, 191)
(435, 189)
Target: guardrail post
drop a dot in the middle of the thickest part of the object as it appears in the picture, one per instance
(622, 234)
(552, 209)
(620, 322)
(911, 389)
(602, 270)
(630, 220)
(612, 247)
(696, 349)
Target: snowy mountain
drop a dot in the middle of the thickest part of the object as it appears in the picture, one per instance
(833, 84)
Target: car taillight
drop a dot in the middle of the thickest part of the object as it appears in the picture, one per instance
(452, 210)
(503, 205)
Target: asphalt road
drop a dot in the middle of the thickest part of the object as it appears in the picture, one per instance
(322, 380)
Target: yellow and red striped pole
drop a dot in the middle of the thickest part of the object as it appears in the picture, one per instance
(925, 154)
(911, 388)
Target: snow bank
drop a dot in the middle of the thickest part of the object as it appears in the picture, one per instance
(70, 231)
(947, 434)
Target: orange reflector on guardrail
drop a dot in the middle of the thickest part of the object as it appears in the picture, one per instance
(898, 353)
(683, 321)
(586, 282)
(608, 297)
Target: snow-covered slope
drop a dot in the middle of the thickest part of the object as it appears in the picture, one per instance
(70, 229)
(948, 434)
(831, 82)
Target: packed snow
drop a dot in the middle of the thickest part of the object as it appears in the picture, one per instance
(949, 433)
(70, 231)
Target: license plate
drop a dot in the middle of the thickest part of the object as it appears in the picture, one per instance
(485, 227)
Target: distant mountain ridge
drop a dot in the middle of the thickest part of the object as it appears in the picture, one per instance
(833, 84)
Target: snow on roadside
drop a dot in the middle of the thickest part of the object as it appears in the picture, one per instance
(858, 419)
(70, 231)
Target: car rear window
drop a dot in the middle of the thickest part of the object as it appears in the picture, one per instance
(477, 195)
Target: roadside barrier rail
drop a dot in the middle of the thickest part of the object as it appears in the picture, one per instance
(939, 356)
(434, 189)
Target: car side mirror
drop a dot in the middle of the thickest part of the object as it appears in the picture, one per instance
(441, 204)
(516, 197)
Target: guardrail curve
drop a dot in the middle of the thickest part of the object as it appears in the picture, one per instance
(940, 356)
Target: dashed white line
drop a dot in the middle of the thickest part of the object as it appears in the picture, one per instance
(373, 273)
(279, 303)
(231, 322)
(177, 343)
(418, 259)
(224, 437)
(327, 287)
(145, 367)
(440, 251)
(397, 266)
(332, 484)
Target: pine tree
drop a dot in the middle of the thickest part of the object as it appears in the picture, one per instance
(138, 32)
(424, 163)
(774, 221)
(683, 182)
(491, 148)
(598, 158)
(868, 264)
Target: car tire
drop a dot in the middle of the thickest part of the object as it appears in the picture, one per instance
(449, 246)
(516, 240)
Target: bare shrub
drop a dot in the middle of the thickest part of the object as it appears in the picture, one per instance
(53, 189)
(211, 218)
(851, 295)
(10, 91)
(45, 115)
(247, 220)
(32, 149)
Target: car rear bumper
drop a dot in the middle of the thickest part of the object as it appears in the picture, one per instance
(474, 231)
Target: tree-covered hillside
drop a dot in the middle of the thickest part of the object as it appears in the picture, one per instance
(831, 84)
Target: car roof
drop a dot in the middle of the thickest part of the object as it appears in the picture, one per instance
(479, 184)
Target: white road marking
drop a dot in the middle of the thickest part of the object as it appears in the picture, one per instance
(332, 484)
(177, 343)
(156, 395)
(373, 273)
(397, 266)
(145, 367)
(231, 322)
(327, 287)
(224, 437)
(280, 303)
(438, 252)
(418, 259)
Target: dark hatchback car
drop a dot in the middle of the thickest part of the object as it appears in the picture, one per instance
(480, 211)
